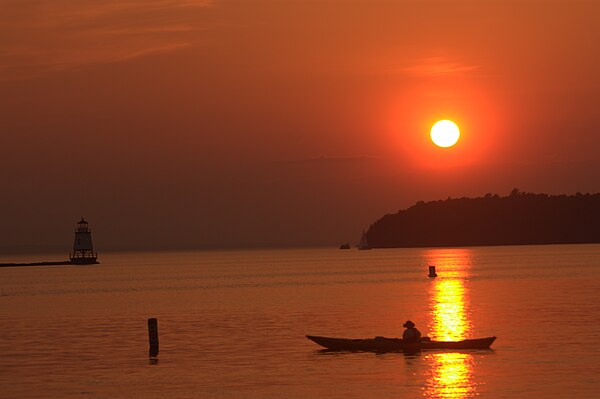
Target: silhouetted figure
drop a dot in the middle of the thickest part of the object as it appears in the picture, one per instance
(411, 333)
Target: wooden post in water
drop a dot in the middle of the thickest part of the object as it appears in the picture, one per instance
(432, 272)
(153, 337)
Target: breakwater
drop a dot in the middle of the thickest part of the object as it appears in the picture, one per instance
(60, 263)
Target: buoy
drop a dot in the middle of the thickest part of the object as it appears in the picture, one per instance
(432, 272)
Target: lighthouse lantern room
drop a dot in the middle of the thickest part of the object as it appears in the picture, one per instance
(83, 251)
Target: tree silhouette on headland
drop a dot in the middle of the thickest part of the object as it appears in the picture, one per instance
(517, 219)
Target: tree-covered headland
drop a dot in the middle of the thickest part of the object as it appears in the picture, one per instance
(518, 219)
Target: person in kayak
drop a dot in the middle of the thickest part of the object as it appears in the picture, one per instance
(411, 333)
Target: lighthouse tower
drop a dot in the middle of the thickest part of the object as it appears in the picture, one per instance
(83, 251)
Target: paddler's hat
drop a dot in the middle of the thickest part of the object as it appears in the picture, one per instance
(408, 324)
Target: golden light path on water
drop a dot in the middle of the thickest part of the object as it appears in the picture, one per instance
(451, 373)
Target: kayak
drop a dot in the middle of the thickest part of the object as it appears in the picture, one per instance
(382, 344)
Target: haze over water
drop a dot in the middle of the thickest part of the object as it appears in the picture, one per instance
(178, 124)
(232, 324)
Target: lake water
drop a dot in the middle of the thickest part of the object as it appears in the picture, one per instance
(232, 324)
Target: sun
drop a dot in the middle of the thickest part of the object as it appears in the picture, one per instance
(444, 133)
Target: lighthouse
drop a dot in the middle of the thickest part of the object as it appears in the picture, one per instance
(83, 251)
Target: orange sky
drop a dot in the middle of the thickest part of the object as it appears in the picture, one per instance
(189, 123)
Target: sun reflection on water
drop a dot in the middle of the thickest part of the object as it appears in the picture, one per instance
(450, 320)
(451, 373)
(451, 376)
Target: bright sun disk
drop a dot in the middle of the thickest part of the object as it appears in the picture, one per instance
(444, 133)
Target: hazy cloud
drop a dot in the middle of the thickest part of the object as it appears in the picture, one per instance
(38, 37)
(437, 66)
(325, 159)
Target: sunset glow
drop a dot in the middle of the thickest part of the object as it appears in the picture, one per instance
(188, 109)
(275, 188)
(445, 133)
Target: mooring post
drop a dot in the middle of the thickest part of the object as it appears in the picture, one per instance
(432, 272)
(153, 336)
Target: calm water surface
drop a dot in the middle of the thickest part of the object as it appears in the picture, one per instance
(232, 324)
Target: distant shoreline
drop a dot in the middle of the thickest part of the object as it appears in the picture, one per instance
(488, 245)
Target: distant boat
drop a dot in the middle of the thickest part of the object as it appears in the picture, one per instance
(345, 246)
(363, 244)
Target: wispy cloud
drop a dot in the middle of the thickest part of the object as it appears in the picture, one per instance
(39, 36)
(438, 66)
(325, 159)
